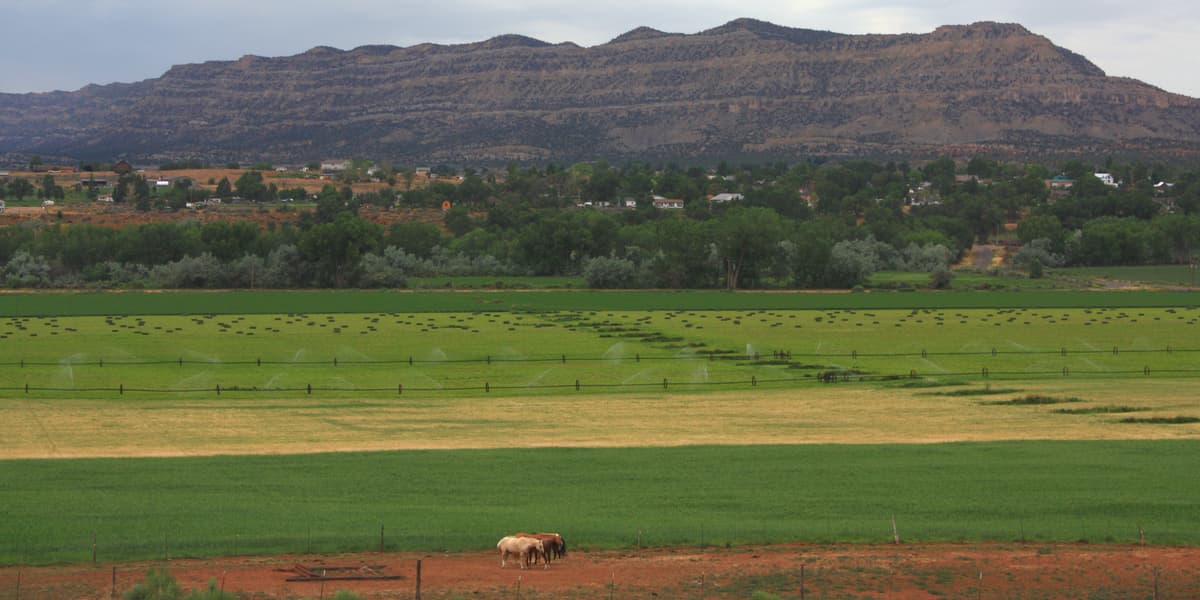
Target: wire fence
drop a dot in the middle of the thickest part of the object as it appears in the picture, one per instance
(774, 356)
(829, 377)
(113, 546)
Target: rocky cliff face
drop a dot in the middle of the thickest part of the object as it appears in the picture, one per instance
(744, 88)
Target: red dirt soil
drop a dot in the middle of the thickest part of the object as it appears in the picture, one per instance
(904, 572)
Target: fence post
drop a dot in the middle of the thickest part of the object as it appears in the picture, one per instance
(895, 532)
(487, 387)
(577, 385)
(121, 390)
(181, 361)
(381, 537)
(310, 389)
(753, 381)
(418, 579)
(218, 389)
(93, 547)
(399, 389)
(636, 357)
(489, 359)
(564, 359)
(1116, 351)
(664, 383)
(335, 361)
(259, 361)
(410, 361)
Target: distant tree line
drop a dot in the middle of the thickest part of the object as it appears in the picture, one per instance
(803, 225)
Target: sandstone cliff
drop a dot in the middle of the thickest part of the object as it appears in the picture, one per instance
(744, 88)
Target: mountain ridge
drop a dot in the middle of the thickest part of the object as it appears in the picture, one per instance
(744, 88)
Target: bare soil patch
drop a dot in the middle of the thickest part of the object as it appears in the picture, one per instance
(906, 571)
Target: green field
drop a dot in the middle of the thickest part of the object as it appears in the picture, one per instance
(699, 418)
(1180, 275)
(329, 301)
(454, 500)
(386, 354)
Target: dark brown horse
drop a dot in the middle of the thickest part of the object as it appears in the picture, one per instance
(553, 543)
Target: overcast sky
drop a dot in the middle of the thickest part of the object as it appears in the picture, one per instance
(66, 44)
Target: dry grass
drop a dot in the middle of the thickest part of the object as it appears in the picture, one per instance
(850, 414)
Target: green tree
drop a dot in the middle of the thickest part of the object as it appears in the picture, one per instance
(250, 186)
(224, 189)
(335, 248)
(747, 240)
(19, 188)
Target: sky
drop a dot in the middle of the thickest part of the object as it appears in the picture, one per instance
(65, 44)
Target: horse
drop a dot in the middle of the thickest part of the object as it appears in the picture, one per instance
(555, 546)
(526, 550)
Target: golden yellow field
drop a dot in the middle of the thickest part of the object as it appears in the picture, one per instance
(839, 413)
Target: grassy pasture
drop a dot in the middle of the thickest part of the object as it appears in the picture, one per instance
(1179, 275)
(343, 301)
(143, 508)
(278, 470)
(529, 354)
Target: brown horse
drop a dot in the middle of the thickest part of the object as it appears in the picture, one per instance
(524, 548)
(553, 544)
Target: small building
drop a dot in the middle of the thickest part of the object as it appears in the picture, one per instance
(1060, 183)
(724, 197)
(334, 166)
(668, 203)
(2, 206)
(122, 168)
(1106, 179)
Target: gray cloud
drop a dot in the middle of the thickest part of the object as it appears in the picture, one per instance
(65, 44)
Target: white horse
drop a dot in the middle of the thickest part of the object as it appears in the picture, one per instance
(525, 549)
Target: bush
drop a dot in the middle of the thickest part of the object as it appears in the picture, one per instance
(609, 272)
(941, 278)
(160, 585)
(26, 270)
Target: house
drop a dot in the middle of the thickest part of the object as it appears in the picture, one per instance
(667, 203)
(1106, 179)
(725, 197)
(122, 168)
(1060, 183)
(334, 166)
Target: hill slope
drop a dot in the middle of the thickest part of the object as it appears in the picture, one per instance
(746, 87)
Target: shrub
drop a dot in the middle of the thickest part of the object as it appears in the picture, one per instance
(941, 278)
(609, 272)
(26, 270)
(160, 585)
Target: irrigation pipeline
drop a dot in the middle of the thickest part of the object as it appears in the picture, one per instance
(775, 356)
(825, 378)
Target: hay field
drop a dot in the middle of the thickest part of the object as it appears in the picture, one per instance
(838, 414)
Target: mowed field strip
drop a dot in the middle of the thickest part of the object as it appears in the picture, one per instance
(67, 428)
